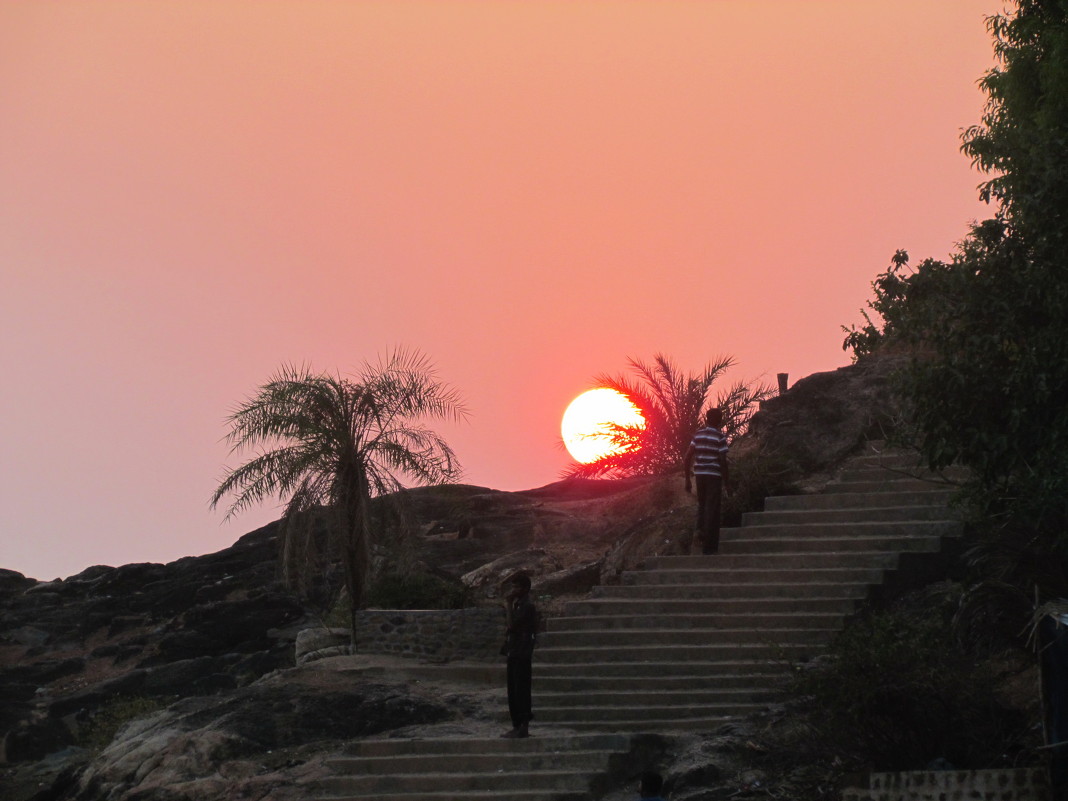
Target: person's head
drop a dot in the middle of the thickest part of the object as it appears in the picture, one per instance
(714, 417)
(651, 785)
(520, 583)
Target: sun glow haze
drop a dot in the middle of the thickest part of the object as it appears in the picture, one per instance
(585, 424)
(194, 194)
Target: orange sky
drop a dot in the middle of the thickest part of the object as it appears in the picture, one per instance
(193, 193)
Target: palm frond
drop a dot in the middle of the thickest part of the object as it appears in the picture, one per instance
(274, 473)
(739, 403)
(672, 403)
(330, 442)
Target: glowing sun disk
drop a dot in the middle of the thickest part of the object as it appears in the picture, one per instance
(586, 423)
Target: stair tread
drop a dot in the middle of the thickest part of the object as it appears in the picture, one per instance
(634, 632)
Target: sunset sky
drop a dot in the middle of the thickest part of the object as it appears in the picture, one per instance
(194, 193)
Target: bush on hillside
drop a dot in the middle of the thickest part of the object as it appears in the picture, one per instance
(899, 690)
(984, 330)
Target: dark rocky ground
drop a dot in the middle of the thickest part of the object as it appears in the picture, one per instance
(151, 682)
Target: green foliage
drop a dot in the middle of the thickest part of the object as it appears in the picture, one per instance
(988, 329)
(891, 289)
(106, 721)
(1021, 138)
(328, 444)
(672, 404)
(898, 691)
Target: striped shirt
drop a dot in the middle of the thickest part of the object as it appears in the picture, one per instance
(710, 452)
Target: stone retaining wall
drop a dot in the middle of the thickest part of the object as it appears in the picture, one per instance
(437, 635)
(1024, 784)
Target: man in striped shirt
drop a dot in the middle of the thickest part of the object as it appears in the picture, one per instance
(707, 457)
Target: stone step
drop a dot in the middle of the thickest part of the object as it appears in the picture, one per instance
(659, 654)
(611, 715)
(474, 795)
(740, 669)
(812, 559)
(614, 638)
(541, 768)
(457, 784)
(404, 746)
(755, 679)
(630, 699)
(885, 485)
(861, 500)
(413, 763)
(623, 607)
(750, 621)
(793, 591)
(783, 543)
(709, 723)
(869, 528)
(771, 575)
(815, 516)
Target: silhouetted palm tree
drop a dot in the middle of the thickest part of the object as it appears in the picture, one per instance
(673, 405)
(326, 445)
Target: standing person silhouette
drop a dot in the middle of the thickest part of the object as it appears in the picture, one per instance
(707, 457)
(519, 649)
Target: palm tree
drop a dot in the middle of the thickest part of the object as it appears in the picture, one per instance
(326, 445)
(672, 404)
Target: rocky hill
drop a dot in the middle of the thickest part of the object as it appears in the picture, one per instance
(177, 682)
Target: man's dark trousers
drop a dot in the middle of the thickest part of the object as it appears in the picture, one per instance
(519, 680)
(709, 503)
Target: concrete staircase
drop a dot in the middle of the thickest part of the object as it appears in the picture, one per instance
(553, 768)
(690, 641)
(685, 643)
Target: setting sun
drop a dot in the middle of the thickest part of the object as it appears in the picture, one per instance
(584, 427)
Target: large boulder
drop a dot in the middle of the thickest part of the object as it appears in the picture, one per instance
(238, 626)
(319, 643)
(825, 417)
(571, 580)
(202, 748)
(486, 581)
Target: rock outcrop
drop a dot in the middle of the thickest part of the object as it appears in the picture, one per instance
(215, 746)
(826, 417)
(71, 649)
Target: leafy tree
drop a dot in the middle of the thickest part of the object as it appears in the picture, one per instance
(326, 445)
(672, 404)
(985, 334)
(1021, 138)
(987, 330)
